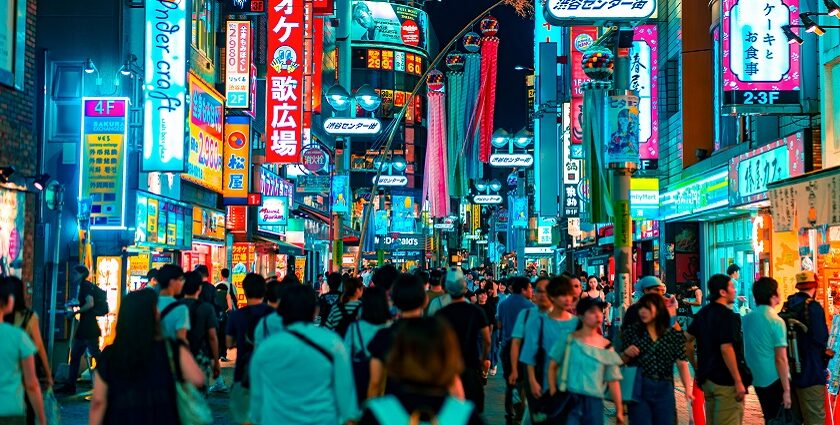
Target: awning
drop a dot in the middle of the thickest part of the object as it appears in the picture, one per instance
(806, 201)
(283, 247)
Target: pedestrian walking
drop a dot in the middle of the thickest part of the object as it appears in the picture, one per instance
(86, 337)
(174, 315)
(473, 330)
(483, 302)
(766, 349)
(24, 318)
(588, 366)
(135, 381)
(593, 289)
(18, 380)
(202, 336)
(435, 288)
(720, 366)
(541, 333)
(240, 334)
(225, 303)
(507, 313)
(652, 347)
(272, 323)
(426, 360)
(374, 317)
(328, 300)
(346, 311)
(648, 285)
(301, 375)
(409, 298)
(808, 374)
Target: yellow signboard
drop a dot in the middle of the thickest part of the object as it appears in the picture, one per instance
(207, 112)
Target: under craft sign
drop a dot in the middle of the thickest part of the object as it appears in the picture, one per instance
(590, 11)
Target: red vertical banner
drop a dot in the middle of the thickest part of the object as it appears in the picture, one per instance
(581, 39)
(318, 62)
(284, 81)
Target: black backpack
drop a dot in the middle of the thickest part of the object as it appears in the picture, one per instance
(797, 322)
(196, 337)
(348, 317)
(100, 301)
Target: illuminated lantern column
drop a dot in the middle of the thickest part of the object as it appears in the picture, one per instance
(456, 122)
(435, 187)
(472, 84)
(489, 64)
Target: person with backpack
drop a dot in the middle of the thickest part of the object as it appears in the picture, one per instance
(766, 349)
(425, 360)
(202, 335)
(225, 303)
(240, 335)
(541, 333)
(328, 300)
(174, 315)
(808, 366)
(208, 291)
(92, 302)
(346, 311)
(721, 370)
(507, 314)
(301, 375)
(375, 316)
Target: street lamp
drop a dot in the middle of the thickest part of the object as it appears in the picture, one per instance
(338, 98)
(523, 138)
(500, 138)
(367, 98)
(833, 8)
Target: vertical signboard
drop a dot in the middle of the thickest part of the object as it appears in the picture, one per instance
(760, 67)
(340, 194)
(284, 81)
(165, 85)
(581, 38)
(238, 65)
(571, 173)
(12, 227)
(622, 130)
(237, 160)
(243, 258)
(644, 68)
(204, 163)
(103, 159)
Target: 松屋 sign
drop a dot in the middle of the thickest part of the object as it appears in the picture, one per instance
(581, 12)
(487, 199)
(165, 85)
(103, 159)
(238, 65)
(237, 160)
(511, 160)
(760, 67)
(352, 126)
(284, 81)
(385, 180)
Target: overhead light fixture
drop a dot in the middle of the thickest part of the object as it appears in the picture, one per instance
(832, 7)
(338, 97)
(40, 181)
(6, 173)
(90, 67)
(367, 98)
(811, 25)
(792, 37)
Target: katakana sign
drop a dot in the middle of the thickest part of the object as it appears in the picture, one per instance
(516, 160)
(391, 180)
(352, 126)
(487, 199)
(760, 67)
(578, 12)
(284, 82)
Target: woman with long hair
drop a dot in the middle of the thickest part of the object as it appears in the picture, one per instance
(426, 360)
(17, 366)
(26, 319)
(374, 316)
(653, 345)
(135, 381)
(346, 311)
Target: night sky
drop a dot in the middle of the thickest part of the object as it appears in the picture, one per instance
(515, 48)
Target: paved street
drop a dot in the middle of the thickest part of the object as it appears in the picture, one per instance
(75, 409)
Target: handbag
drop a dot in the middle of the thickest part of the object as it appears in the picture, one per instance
(784, 417)
(192, 407)
(52, 411)
(553, 409)
(629, 381)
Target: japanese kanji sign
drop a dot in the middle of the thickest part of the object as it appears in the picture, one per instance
(643, 72)
(238, 65)
(104, 124)
(760, 67)
(284, 81)
(750, 173)
(572, 173)
(558, 12)
(237, 160)
(206, 123)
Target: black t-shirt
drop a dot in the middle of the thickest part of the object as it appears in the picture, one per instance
(713, 326)
(240, 327)
(467, 320)
(88, 328)
(202, 319)
(489, 310)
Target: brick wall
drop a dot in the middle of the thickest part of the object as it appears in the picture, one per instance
(670, 115)
(18, 141)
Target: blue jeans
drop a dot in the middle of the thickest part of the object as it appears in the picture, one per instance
(494, 348)
(587, 411)
(77, 350)
(656, 403)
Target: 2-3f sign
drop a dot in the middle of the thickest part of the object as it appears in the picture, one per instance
(761, 97)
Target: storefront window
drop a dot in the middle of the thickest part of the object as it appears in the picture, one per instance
(205, 14)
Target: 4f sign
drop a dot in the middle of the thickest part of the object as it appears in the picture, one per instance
(589, 12)
(487, 199)
(511, 160)
(391, 181)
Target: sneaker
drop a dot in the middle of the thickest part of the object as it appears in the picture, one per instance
(493, 371)
(218, 387)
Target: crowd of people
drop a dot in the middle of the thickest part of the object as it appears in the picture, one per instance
(418, 347)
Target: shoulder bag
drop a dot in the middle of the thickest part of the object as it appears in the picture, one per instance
(554, 409)
(192, 407)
